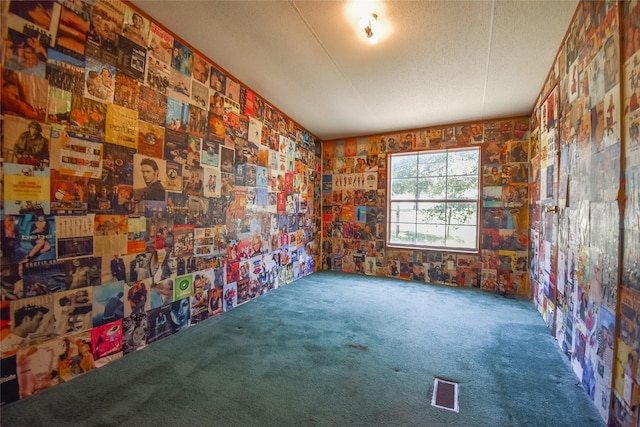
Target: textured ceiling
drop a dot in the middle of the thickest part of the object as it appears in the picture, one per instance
(435, 62)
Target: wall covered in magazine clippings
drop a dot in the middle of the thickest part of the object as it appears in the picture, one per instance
(354, 207)
(586, 161)
(144, 190)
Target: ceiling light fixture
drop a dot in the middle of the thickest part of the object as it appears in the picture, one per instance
(368, 23)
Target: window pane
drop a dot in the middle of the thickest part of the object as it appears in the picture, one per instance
(402, 233)
(463, 213)
(403, 166)
(432, 188)
(431, 213)
(463, 162)
(403, 212)
(462, 187)
(404, 189)
(431, 235)
(462, 236)
(434, 199)
(432, 164)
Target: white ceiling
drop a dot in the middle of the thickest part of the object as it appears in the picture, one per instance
(437, 62)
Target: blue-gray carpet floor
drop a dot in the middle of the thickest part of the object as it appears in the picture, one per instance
(334, 350)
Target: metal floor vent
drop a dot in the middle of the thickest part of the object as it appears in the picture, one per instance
(445, 395)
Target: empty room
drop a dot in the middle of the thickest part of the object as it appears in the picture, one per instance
(320, 213)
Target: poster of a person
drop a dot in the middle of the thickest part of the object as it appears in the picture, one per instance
(182, 58)
(26, 52)
(25, 141)
(39, 13)
(148, 178)
(136, 27)
(212, 182)
(99, 81)
(32, 322)
(38, 368)
(24, 95)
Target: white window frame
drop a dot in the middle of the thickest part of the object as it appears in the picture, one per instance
(446, 200)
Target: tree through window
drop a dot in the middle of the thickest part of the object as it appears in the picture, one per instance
(434, 199)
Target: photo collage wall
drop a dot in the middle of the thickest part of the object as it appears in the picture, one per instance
(354, 210)
(144, 190)
(586, 254)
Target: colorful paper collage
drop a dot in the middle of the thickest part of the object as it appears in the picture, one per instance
(135, 186)
(578, 208)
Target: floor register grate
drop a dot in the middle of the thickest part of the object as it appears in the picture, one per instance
(445, 395)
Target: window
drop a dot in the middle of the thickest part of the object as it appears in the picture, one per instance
(434, 199)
